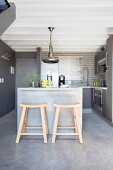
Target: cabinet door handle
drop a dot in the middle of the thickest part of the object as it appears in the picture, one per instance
(97, 67)
(93, 96)
(106, 58)
(107, 68)
(101, 97)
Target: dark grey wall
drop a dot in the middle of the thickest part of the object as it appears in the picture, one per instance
(7, 17)
(26, 63)
(7, 89)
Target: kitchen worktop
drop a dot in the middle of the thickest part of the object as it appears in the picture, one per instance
(47, 89)
(99, 88)
(60, 89)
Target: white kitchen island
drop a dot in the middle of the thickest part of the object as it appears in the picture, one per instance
(49, 96)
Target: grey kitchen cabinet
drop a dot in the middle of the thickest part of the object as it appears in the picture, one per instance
(92, 98)
(104, 103)
(109, 79)
(99, 55)
(96, 63)
(86, 98)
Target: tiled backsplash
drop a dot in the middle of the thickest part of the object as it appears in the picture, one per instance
(88, 61)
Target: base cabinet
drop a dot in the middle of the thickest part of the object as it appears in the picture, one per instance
(104, 103)
(92, 98)
(86, 98)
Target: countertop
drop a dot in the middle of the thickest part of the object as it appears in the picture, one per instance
(47, 89)
(99, 88)
(59, 89)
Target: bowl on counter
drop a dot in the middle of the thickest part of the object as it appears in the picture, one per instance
(65, 86)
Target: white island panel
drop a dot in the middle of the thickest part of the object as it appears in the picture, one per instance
(49, 96)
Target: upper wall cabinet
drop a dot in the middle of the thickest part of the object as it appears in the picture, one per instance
(7, 17)
(99, 56)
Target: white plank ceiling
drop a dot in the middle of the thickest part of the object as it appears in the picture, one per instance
(80, 25)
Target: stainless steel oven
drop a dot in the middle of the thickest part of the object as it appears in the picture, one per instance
(97, 97)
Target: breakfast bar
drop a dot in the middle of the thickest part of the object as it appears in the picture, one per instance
(49, 96)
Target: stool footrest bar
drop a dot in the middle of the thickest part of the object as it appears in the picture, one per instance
(66, 127)
(32, 134)
(33, 127)
(67, 134)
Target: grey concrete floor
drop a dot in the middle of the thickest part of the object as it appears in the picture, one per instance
(66, 154)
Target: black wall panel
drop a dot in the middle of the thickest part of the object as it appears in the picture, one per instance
(7, 89)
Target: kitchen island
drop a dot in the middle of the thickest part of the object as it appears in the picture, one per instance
(49, 96)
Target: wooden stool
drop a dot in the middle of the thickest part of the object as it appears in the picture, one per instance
(76, 122)
(23, 121)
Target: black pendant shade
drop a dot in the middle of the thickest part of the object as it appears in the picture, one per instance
(50, 59)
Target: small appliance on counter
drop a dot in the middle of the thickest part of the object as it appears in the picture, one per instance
(99, 83)
(48, 82)
(103, 83)
(61, 80)
(96, 83)
(49, 79)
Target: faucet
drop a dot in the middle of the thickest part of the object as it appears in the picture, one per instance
(86, 75)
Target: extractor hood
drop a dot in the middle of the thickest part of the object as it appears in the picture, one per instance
(50, 59)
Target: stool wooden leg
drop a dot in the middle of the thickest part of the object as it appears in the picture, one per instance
(43, 124)
(25, 120)
(21, 124)
(55, 125)
(78, 126)
(75, 122)
(46, 121)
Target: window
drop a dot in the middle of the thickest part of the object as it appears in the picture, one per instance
(71, 67)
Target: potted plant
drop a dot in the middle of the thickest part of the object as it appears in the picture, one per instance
(33, 80)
